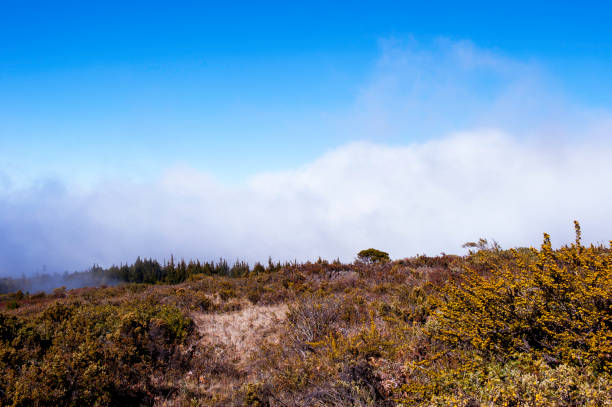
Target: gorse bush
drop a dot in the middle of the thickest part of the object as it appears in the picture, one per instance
(559, 308)
(526, 382)
(520, 328)
(88, 354)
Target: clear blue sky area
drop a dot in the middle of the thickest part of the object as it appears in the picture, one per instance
(236, 88)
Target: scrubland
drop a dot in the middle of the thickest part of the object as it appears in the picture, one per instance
(519, 327)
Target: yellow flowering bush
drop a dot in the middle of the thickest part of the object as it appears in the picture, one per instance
(558, 308)
(526, 382)
(533, 329)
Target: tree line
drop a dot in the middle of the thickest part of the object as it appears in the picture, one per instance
(150, 271)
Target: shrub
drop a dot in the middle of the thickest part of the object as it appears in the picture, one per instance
(526, 382)
(89, 354)
(256, 395)
(59, 292)
(258, 268)
(12, 304)
(373, 256)
(227, 293)
(254, 296)
(311, 320)
(559, 308)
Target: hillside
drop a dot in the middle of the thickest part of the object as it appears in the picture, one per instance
(520, 327)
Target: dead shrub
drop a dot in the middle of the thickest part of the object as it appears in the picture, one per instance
(311, 320)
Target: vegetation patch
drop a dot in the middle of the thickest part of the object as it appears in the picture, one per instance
(518, 327)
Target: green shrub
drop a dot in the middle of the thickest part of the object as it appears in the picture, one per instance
(12, 304)
(76, 354)
(258, 268)
(254, 296)
(373, 256)
(227, 293)
(256, 395)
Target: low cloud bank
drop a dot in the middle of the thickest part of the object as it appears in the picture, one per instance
(49, 282)
(425, 197)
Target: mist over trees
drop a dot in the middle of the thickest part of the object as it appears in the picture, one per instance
(143, 270)
(49, 281)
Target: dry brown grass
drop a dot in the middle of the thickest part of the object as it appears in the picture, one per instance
(242, 331)
(225, 352)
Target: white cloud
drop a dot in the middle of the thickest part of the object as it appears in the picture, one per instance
(427, 197)
(496, 152)
(418, 92)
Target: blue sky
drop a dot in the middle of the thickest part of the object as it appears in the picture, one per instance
(116, 96)
(112, 85)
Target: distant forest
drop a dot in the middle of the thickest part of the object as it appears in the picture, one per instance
(148, 271)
